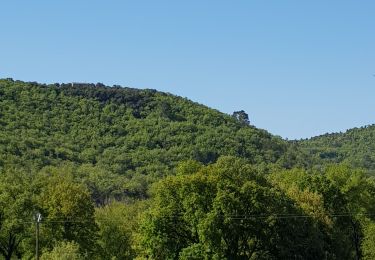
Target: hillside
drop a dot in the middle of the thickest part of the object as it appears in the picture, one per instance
(129, 137)
(355, 147)
(122, 173)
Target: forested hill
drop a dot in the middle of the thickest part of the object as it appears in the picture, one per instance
(135, 135)
(141, 135)
(355, 147)
(83, 157)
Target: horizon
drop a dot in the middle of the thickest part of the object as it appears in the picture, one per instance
(116, 85)
(298, 69)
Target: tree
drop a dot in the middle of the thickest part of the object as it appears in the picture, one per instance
(103, 184)
(117, 223)
(368, 244)
(63, 251)
(242, 117)
(226, 210)
(16, 212)
(358, 192)
(67, 209)
(318, 199)
(340, 199)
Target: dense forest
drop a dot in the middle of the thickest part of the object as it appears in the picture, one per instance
(122, 173)
(355, 147)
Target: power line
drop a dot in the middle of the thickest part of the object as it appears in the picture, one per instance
(229, 216)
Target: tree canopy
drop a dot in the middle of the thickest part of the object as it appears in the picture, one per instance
(122, 173)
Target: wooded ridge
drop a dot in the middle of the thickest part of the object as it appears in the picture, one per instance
(123, 173)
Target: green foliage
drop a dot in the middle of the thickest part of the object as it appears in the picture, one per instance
(118, 223)
(63, 251)
(354, 147)
(67, 209)
(242, 117)
(140, 135)
(65, 149)
(16, 213)
(368, 245)
(340, 199)
(226, 210)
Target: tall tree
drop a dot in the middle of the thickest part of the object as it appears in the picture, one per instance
(68, 210)
(242, 117)
(226, 210)
(16, 212)
(117, 223)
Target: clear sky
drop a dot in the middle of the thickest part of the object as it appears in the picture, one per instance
(298, 68)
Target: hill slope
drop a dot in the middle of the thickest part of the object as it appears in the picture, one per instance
(356, 147)
(140, 135)
(63, 145)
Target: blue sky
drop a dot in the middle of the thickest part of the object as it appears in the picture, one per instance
(298, 68)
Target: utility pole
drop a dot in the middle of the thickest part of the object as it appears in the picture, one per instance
(38, 218)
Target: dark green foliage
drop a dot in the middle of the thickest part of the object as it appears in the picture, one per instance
(66, 208)
(242, 117)
(340, 199)
(117, 225)
(226, 211)
(16, 213)
(222, 189)
(132, 136)
(355, 147)
(368, 245)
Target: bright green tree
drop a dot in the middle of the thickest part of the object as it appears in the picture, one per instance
(226, 210)
(340, 199)
(358, 191)
(368, 243)
(117, 223)
(16, 213)
(67, 209)
(63, 251)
